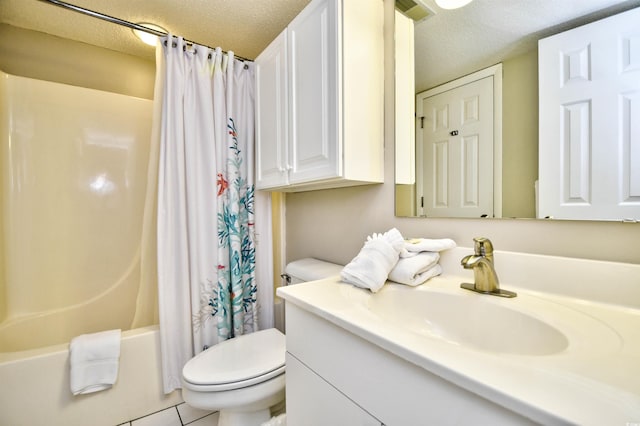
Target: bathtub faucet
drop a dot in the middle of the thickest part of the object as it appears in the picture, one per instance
(484, 272)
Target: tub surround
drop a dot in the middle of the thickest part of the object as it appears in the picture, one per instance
(73, 182)
(591, 378)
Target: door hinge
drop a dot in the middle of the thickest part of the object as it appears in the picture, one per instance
(422, 202)
(422, 122)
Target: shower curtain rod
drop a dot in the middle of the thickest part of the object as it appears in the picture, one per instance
(122, 22)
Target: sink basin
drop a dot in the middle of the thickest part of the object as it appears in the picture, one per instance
(476, 321)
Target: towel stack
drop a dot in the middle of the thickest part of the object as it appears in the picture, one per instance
(371, 267)
(389, 256)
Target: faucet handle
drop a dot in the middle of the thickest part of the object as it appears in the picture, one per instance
(483, 247)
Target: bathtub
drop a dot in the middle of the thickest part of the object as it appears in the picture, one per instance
(73, 198)
(36, 389)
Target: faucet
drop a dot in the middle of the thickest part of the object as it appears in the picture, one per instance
(484, 272)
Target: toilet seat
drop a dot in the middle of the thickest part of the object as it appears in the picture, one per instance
(237, 363)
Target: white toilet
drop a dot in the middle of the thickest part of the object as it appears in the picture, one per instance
(243, 377)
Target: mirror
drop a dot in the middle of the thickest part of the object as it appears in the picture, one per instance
(452, 44)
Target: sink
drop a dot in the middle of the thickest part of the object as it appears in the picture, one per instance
(467, 319)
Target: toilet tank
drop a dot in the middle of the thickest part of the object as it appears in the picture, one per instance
(310, 269)
(300, 271)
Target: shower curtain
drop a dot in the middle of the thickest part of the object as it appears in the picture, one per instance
(209, 217)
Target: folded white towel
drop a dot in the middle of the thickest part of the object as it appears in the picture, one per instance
(371, 267)
(93, 359)
(416, 245)
(415, 270)
(418, 278)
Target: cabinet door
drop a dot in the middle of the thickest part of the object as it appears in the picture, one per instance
(311, 401)
(313, 56)
(272, 115)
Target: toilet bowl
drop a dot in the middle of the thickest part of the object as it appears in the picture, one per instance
(240, 377)
(243, 377)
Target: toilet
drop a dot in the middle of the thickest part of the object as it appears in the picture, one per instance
(243, 377)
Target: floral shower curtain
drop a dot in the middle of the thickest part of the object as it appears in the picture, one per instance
(206, 231)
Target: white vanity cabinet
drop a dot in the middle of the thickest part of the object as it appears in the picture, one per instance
(317, 402)
(437, 354)
(335, 377)
(320, 99)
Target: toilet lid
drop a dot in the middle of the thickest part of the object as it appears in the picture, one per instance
(239, 359)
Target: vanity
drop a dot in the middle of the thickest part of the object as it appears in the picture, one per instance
(566, 350)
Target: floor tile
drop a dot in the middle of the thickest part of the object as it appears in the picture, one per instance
(210, 420)
(168, 417)
(188, 414)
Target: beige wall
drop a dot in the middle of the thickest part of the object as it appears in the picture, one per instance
(333, 224)
(277, 213)
(406, 200)
(4, 130)
(37, 55)
(520, 134)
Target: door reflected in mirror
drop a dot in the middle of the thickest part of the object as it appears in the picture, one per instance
(458, 142)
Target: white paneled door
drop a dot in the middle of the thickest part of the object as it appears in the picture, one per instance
(457, 151)
(590, 121)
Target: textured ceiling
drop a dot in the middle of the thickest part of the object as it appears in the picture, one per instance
(244, 26)
(448, 45)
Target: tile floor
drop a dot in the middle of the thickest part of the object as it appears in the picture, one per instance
(180, 415)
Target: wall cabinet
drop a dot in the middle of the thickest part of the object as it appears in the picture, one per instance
(320, 99)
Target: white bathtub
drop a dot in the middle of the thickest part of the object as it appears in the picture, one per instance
(36, 390)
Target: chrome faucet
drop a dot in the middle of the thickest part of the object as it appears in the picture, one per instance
(484, 272)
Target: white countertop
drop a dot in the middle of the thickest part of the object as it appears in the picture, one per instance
(595, 380)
